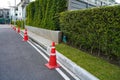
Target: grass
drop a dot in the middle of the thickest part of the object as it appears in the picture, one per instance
(98, 67)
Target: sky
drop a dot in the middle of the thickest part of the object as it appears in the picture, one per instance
(7, 3)
(117, 1)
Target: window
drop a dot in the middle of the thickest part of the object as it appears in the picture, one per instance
(16, 14)
(7, 13)
(16, 9)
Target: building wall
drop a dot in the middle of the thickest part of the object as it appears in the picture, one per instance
(22, 9)
(19, 12)
(4, 16)
(32, 0)
(12, 14)
(1, 13)
(81, 4)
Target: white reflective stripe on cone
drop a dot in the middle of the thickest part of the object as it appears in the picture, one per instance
(52, 54)
(53, 47)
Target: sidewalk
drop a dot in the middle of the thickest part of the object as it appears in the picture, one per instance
(4, 26)
(77, 70)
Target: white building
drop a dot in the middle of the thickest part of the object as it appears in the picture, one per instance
(18, 11)
(4, 15)
(22, 9)
(12, 13)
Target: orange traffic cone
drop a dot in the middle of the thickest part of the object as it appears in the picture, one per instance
(25, 31)
(52, 60)
(25, 38)
(14, 28)
(53, 44)
(18, 30)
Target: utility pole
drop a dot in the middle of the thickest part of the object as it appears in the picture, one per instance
(10, 12)
(15, 13)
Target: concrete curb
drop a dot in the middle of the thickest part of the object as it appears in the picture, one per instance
(77, 70)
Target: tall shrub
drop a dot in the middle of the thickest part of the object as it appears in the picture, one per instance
(30, 13)
(44, 13)
(96, 30)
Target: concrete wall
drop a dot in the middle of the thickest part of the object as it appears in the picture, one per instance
(55, 36)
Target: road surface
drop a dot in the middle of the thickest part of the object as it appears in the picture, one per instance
(21, 61)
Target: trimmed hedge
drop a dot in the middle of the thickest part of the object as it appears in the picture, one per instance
(96, 30)
(44, 13)
(19, 23)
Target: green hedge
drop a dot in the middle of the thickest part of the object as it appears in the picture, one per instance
(96, 30)
(44, 13)
(19, 23)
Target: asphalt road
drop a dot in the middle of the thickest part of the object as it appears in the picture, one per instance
(20, 61)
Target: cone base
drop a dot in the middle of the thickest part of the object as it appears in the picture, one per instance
(52, 67)
(24, 40)
(18, 31)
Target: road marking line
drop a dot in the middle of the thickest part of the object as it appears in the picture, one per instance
(76, 78)
(73, 75)
(21, 35)
(59, 71)
(36, 49)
